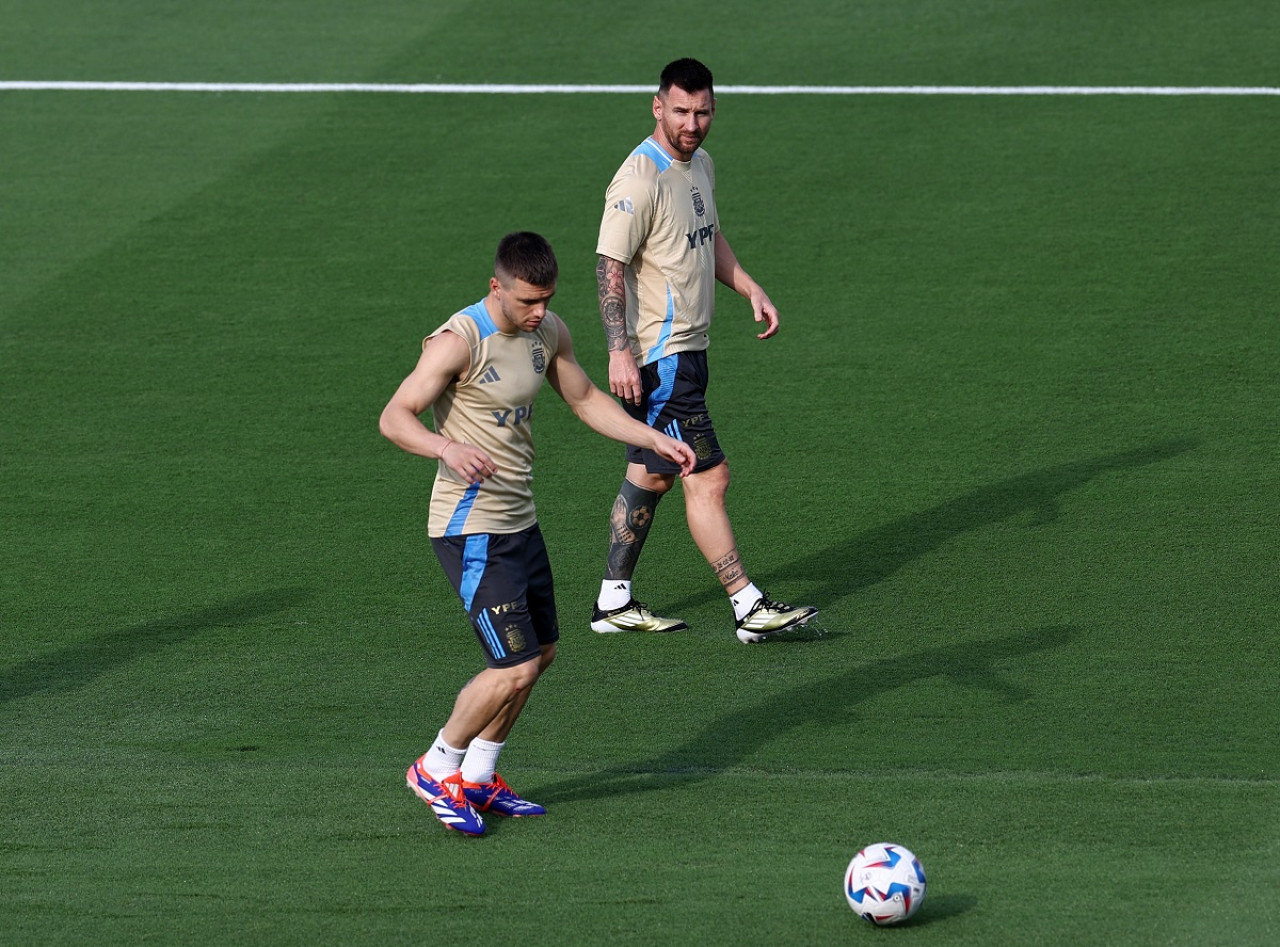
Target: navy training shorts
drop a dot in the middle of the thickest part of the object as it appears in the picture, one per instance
(674, 400)
(504, 581)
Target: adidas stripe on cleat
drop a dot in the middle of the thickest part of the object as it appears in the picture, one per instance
(634, 616)
(768, 617)
(497, 796)
(446, 799)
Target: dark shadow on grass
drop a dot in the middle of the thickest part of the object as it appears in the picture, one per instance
(78, 664)
(827, 575)
(739, 733)
(942, 907)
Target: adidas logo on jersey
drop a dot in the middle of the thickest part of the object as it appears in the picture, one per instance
(625, 206)
(490, 376)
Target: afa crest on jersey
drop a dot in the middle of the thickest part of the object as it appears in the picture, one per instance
(699, 206)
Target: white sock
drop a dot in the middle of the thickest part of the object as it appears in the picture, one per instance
(481, 760)
(745, 599)
(614, 593)
(442, 759)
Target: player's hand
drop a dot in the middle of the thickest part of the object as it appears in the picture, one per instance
(766, 312)
(470, 463)
(624, 376)
(677, 452)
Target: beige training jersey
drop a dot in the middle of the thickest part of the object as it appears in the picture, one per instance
(660, 220)
(491, 407)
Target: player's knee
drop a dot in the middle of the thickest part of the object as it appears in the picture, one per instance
(657, 483)
(548, 655)
(709, 486)
(523, 675)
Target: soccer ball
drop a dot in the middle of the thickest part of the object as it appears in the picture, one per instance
(884, 883)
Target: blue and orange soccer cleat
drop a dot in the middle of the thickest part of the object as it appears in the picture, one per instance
(497, 796)
(446, 799)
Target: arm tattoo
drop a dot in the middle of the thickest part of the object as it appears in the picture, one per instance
(613, 303)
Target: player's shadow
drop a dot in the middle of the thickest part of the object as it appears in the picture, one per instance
(865, 559)
(739, 733)
(873, 555)
(78, 664)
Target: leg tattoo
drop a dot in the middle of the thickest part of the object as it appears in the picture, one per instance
(628, 528)
(728, 568)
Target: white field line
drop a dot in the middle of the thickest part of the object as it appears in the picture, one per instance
(525, 89)
(623, 774)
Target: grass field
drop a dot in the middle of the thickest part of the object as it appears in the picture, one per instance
(1018, 440)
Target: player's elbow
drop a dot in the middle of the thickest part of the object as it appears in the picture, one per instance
(387, 425)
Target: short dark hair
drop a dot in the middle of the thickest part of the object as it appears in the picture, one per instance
(527, 256)
(688, 74)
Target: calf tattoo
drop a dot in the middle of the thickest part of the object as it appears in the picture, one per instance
(628, 528)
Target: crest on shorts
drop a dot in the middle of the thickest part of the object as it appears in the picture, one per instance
(515, 638)
(539, 358)
(699, 207)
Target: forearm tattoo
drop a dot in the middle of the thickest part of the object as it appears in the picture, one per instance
(728, 568)
(612, 289)
(628, 528)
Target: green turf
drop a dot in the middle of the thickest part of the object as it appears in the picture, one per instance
(1017, 439)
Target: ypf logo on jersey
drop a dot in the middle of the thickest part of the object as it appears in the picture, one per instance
(539, 355)
(699, 207)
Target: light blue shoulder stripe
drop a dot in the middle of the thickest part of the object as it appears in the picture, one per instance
(480, 316)
(655, 153)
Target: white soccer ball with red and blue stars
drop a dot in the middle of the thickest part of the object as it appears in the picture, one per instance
(884, 883)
